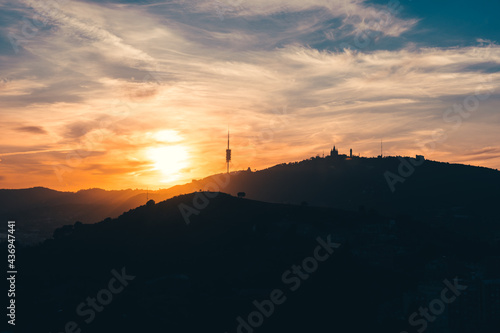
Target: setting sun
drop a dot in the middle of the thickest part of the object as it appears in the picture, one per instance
(170, 161)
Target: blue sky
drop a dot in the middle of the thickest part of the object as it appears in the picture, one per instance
(88, 87)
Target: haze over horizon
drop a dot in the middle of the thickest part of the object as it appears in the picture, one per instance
(131, 94)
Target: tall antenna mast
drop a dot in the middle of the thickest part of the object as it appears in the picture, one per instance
(228, 151)
(381, 150)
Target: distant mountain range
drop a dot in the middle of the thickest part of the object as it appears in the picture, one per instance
(442, 193)
(39, 211)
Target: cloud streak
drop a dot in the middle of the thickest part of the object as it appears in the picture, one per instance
(105, 77)
(32, 129)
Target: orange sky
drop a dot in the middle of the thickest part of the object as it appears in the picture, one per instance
(93, 100)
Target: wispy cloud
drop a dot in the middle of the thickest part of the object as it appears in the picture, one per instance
(98, 77)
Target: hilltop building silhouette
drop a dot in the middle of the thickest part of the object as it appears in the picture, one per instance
(334, 152)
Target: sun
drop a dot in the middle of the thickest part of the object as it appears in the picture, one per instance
(170, 161)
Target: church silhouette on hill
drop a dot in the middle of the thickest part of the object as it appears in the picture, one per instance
(335, 153)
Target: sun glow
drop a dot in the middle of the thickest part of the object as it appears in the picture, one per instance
(170, 161)
(167, 136)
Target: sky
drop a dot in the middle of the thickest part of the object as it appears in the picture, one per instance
(136, 94)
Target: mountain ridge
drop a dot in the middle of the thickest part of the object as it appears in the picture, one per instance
(442, 192)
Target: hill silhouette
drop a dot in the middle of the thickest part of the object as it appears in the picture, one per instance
(464, 197)
(349, 183)
(454, 195)
(204, 275)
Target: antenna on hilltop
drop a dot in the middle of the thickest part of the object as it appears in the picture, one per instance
(381, 150)
(228, 151)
